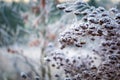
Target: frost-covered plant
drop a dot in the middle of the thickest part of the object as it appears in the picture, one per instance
(97, 31)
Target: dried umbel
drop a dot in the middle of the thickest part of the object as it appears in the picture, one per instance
(99, 32)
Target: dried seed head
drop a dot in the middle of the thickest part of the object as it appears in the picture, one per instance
(118, 16)
(114, 10)
(68, 10)
(53, 65)
(104, 20)
(23, 75)
(61, 6)
(37, 78)
(101, 9)
(48, 60)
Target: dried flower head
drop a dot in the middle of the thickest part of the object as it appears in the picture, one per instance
(98, 31)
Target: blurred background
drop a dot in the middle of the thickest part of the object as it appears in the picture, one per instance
(29, 30)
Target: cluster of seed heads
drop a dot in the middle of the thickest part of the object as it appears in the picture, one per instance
(97, 26)
(72, 66)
